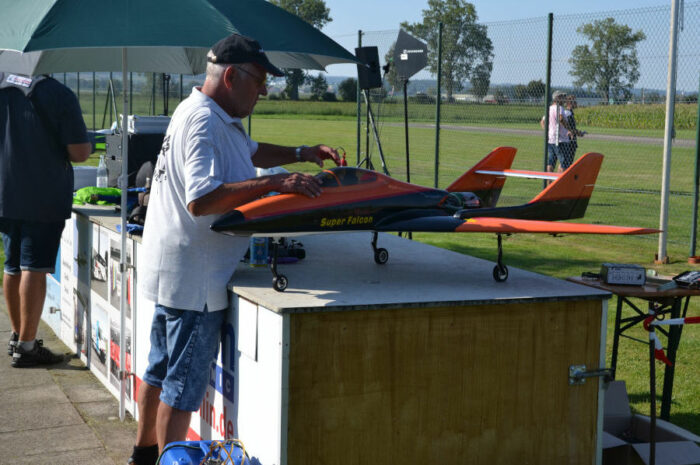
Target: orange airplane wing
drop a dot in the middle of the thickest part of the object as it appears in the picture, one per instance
(508, 225)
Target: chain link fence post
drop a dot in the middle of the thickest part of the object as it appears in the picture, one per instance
(359, 106)
(438, 101)
(547, 90)
(692, 258)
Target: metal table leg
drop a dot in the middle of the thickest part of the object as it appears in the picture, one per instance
(616, 335)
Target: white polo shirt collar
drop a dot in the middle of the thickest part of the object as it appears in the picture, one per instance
(220, 112)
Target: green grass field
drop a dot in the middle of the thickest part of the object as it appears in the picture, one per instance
(626, 194)
(626, 166)
(642, 118)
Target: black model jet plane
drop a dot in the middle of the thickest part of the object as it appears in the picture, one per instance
(355, 199)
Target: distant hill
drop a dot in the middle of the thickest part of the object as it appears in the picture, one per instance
(414, 86)
(429, 86)
(142, 82)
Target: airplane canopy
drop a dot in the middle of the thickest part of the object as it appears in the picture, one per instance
(346, 176)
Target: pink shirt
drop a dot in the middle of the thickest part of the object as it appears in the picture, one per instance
(555, 126)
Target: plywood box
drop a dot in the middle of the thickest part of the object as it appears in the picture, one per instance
(415, 361)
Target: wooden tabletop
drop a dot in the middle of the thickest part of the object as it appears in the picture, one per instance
(650, 290)
(339, 274)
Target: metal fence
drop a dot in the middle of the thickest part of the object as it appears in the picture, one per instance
(147, 94)
(628, 130)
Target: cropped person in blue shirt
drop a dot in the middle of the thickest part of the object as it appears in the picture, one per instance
(41, 132)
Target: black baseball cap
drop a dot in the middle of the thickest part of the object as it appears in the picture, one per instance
(241, 49)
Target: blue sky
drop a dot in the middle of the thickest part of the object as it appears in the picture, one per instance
(375, 15)
(385, 15)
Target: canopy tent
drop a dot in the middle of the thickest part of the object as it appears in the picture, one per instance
(161, 36)
(149, 36)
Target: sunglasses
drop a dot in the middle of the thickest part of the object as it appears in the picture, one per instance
(259, 80)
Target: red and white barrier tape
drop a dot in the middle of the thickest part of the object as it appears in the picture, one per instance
(651, 321)
(658, 349)
(677, 321)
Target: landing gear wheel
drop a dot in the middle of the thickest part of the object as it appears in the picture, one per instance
(279, 283)
(500, 273)
(381, 256)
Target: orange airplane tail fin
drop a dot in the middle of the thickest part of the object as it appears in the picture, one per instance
(485, 179)
(568, 196)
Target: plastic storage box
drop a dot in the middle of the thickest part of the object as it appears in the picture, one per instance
(138, 124)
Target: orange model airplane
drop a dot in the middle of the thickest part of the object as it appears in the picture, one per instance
(355, 199)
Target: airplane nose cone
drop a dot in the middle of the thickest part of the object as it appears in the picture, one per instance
(230, 222)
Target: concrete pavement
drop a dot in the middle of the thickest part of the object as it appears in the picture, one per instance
(60, 414)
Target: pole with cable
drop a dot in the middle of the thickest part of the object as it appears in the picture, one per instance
(359, 105)
(405, 126)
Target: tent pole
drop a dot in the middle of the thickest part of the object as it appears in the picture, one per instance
(123, 185)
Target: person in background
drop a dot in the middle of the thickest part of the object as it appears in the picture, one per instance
(557, 137)
(206, 168)
(41, 132)
(573, 132)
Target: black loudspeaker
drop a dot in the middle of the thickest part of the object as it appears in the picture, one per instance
(369, 74)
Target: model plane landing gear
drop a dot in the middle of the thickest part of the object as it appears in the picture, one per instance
(381, 255)
(500, 271)
(279, 281)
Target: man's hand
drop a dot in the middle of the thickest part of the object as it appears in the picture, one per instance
(318, 153)
(299, 183)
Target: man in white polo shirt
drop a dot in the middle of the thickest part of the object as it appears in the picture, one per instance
(205, 168)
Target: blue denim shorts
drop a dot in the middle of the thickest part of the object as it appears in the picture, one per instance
(566, 150)
(30, 245)
(184, 343)
(562, 152)
(553, 154)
